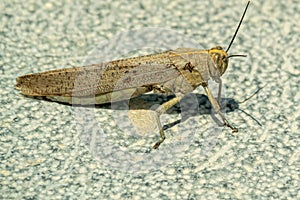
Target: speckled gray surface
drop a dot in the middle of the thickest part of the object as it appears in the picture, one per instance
(44, 153)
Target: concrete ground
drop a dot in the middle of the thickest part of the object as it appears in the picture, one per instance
(55, 151)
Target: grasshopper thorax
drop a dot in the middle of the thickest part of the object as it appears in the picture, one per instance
(219, 58)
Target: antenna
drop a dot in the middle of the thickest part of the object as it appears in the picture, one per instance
(233, 106)
(238, 27)
(236, 55)
(252, 95)
(247, 100)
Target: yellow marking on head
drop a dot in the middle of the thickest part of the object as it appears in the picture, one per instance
(220, 58)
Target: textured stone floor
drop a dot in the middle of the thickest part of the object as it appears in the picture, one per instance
(51, 150)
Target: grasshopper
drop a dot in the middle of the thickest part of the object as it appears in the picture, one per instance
(177, 71)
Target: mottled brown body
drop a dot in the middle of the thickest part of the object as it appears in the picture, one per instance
(98, 78)
(158, 72)
(178, 71)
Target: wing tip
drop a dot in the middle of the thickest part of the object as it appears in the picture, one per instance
(22, 84)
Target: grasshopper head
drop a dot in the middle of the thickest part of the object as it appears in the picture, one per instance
(220, 58)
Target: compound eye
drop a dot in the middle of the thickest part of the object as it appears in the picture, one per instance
(216, 56)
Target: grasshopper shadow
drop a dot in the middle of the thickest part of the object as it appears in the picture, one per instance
(199, 102)
(190, 106)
